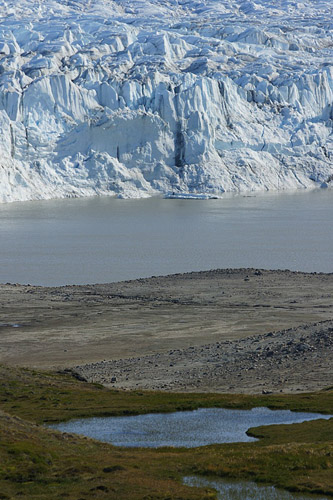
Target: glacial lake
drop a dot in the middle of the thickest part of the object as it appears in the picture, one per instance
(185, 428)
(95, 240)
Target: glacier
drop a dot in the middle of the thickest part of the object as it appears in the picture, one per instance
(138, 98)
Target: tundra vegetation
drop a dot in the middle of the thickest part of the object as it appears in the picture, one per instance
(39, 463)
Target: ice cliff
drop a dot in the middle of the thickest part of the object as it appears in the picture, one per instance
(141, 97)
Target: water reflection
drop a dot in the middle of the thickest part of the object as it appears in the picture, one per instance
(245, 490)
(183, 429)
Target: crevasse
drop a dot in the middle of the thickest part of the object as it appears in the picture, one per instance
(135, 99)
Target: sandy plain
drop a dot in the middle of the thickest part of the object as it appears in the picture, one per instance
(228, 330)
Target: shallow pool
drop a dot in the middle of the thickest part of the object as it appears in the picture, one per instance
(187, 428)
(246, 490)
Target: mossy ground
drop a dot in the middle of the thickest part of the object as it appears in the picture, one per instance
(37, 463)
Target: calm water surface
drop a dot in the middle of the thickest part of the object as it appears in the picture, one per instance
(94, 240)
(241, 490)
(185, 428)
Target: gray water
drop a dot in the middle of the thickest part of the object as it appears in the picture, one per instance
(186, 428)
(245, 490)
(93, 240)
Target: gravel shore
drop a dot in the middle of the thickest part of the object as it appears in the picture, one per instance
(297, 359)
(229, 330)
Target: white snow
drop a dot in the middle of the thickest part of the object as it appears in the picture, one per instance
(143, 97)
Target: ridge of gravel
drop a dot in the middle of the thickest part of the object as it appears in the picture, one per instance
(61, 327)
(291, 360)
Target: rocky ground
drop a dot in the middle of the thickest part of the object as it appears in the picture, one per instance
(290, 360)
(196, 331)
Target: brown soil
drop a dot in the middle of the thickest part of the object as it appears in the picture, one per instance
(74, 325)
(298, 359)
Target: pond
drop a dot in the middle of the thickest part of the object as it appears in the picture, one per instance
(245, 490)
(182, 429)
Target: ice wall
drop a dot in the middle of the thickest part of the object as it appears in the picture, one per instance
(136, 98)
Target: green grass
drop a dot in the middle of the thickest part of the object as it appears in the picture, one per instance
(37, 463)
(51, 397)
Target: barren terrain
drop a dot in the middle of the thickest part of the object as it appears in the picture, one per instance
(298, 359)
(197, 331)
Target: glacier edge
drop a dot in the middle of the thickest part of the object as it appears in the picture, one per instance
(137, 99)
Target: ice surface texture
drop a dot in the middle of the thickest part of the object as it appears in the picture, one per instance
(141, 97)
